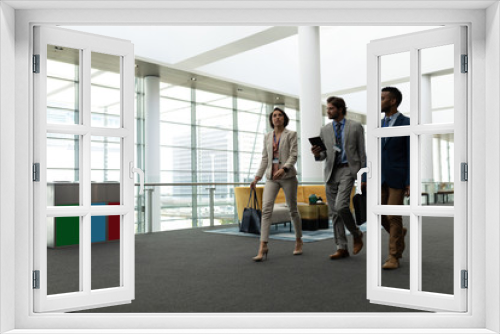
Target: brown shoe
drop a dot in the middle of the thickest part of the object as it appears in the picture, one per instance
(358, 244)
(391, 263)
(339, 254)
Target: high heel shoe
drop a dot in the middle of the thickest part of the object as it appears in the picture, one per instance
(263, 250)
(298, 248)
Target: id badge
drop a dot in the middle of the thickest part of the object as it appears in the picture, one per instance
(276, 161)
(336, 148)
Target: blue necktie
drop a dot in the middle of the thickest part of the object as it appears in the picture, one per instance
(387, 120)
(338, 158)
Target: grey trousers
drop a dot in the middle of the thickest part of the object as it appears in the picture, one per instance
(271, 190)
(338, 195)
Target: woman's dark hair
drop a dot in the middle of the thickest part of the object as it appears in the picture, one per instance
(287, 120)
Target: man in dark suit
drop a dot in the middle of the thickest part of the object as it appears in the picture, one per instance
(345, 155)
(395, 173)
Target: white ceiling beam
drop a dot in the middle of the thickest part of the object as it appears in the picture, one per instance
(245, 44)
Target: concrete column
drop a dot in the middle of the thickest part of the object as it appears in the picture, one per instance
(310, 100)
(152, 139)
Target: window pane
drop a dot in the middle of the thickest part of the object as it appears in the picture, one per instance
(175, 134)
(105, 169)
(214, 139)
(214, 116)
(399, 278)
(395, 72)
(437, 174)
(252, 106)
(214, 99)
(175, 111)
(105, 90)
(437, 85)
(63, 255)
(175, 159)
(250, 142)
(63, 166)
(437, 254)
(210, 162)
(105, 251)
(63, 75)
(248, 165)
(395, 170)
(177, 203)
(252, 122)
(176, 92)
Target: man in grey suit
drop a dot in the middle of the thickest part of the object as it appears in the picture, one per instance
(345, 155)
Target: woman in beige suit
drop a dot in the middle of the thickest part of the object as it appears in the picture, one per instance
(279, 156)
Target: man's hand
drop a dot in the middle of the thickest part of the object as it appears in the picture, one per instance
(407, 191)
(279, 173)
(316, 150)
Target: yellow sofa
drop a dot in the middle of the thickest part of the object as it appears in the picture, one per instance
(280, 212)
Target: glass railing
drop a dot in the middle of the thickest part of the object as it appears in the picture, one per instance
(174, 206)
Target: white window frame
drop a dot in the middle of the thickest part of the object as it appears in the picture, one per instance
(124, 51)
(414, 296)
(483, 307)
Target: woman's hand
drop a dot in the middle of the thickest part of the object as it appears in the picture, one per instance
(254, 182)
(279, 173)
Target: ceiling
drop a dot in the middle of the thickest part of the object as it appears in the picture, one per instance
(255, 56)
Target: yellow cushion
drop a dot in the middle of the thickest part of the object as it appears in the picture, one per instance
(317, 190)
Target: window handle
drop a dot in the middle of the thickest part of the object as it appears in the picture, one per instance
(139, 171)
(360, 172)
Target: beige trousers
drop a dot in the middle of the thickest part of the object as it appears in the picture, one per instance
(271, 190)
(393, 224)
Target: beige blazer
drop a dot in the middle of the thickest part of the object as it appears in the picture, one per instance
(287, 154)
(354, 143)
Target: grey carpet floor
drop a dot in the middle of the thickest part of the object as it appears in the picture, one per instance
(192, 271)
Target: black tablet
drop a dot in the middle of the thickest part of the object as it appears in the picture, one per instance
(316, 141)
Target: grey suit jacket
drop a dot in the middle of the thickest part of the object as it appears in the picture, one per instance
(354, 143)
(287, 154)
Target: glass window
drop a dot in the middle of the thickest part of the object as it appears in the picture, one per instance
(175, 110)
(252, 122)
(175, 134)
(214, 116)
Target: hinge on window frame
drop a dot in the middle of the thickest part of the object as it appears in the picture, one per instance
(36, 172)
(36, 63)
(465, 64)
(465, 279)
(36, 279)
(464, 171)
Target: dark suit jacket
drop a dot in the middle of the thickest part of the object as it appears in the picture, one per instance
(396, 158)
